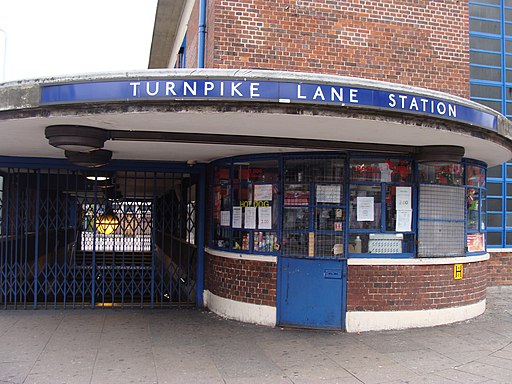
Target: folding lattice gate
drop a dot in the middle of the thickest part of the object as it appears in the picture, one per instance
(71, 238)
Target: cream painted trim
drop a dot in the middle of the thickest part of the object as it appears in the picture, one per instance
(236, 310)
(387, 320)
(240, 256)
(182, 31)
(419, 261)
(494, 250)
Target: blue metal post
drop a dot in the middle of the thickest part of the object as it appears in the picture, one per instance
(201, 218)
(201, 34)
(153, 240)
(36, 245)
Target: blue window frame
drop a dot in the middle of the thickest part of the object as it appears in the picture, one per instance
(312, 205)
(388, 183)
(490, 26)
(476, 204)
(499, 206)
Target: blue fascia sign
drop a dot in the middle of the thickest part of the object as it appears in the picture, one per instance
(269, 91)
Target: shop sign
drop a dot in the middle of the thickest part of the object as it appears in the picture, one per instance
(273, 91)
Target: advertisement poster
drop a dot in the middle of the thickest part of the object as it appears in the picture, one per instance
(263, 192)
(250, 218)
(264, 217)
(237, 217)
(225, 218)
(328, 194)
(475, 242)
(365, 208)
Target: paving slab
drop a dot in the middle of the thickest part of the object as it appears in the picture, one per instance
(109, 346)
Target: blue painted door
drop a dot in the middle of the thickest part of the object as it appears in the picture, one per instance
(311, 293)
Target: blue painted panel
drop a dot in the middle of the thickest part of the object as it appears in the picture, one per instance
(276, 91)
(311, 293)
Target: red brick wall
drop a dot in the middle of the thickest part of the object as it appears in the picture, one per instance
(415, 287)
(500, 268)
(247, 281)
(421, 43)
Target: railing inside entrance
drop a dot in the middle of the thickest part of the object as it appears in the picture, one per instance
(74, 239)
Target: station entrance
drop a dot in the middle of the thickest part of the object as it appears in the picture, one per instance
(72, 238)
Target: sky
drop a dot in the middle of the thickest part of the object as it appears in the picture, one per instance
(63, 37)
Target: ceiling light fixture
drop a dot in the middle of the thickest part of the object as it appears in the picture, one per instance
(92, 159)
(76, 138)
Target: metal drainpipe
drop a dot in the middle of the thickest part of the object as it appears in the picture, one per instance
(202, 34)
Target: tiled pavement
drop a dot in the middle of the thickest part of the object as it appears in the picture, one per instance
(191, 346)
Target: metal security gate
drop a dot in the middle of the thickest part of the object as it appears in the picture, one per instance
(72, 238)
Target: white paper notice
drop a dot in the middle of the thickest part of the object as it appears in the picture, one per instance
(403, 221)
(328, 194)
(264, 217)
(225, 218)
(263, 192)
(403, 198)
(250, 218)
(237, 217)
(365, 208)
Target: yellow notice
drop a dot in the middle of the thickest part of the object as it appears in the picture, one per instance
(458, 271)
(311, 250)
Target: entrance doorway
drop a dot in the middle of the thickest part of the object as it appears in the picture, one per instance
(120, 238)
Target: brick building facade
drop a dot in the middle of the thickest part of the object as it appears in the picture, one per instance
(323, 168)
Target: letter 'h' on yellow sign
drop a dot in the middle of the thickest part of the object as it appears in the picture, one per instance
(458, 271)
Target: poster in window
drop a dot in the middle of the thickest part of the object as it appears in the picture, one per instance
(475, 242)
(225, 218)
(237, 217)
(264, 217)
(365, 208)
(330, 194)
(250, 217)
(403, 198)
(403, 220)
(263, 192)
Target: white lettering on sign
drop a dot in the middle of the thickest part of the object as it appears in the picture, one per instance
(318, 93)
(308, 92)
(169, 88)
(148, 89)
(208, 86)
(254, 87)
(234, 89)
(412, 103)
(135, 88)
(192, 89)
(299, 94)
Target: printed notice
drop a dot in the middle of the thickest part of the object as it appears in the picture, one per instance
(365, 208)
(328, 194)
(263, 192)
(403, 198)
(225, 218)
(250, 217)
(264, 217)
(237, 217)
(403, 220)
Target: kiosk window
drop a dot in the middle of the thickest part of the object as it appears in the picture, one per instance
(381, 207)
